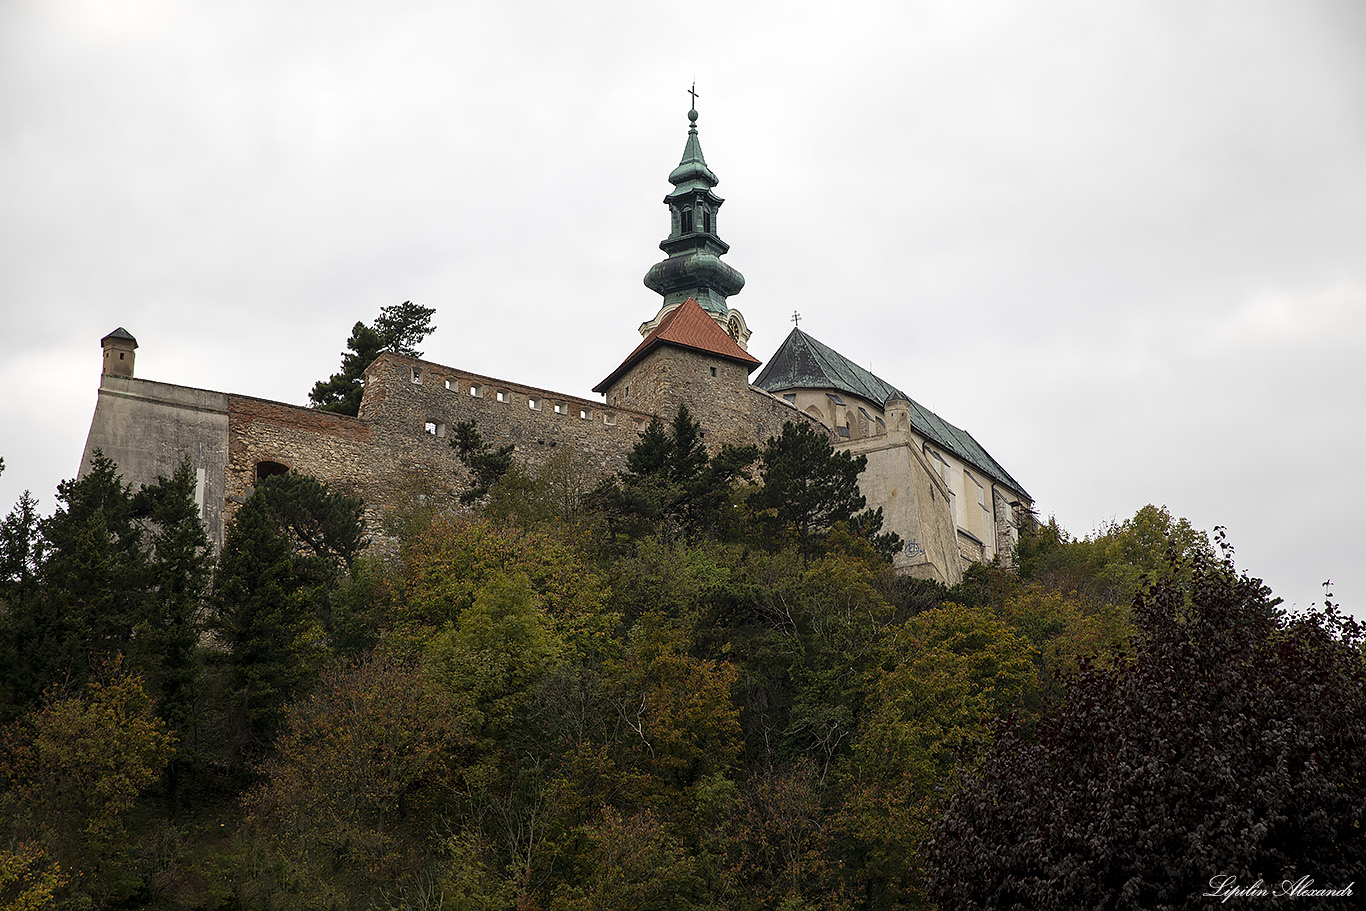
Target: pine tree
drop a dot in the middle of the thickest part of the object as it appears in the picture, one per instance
(268, 631)
(809, 487)
(399, 328)
(286, 552)
(88, 585)
(166, 641)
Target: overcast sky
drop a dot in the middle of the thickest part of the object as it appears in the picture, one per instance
(1123, 244)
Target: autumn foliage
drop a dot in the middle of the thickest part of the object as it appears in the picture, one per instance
(686, 687)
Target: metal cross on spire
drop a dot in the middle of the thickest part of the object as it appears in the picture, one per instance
(796, 318)
(693, 92)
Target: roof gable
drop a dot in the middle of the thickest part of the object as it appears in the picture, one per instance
(685, 326)
(801, 362)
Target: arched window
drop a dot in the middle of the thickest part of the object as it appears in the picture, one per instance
(266, 469)
(685, 224)
(706, 221)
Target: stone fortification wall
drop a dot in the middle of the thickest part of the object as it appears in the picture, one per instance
(398, 450)
(352, 456)
(415, 399)
(768, 414)
(149, 428)
(716, 391)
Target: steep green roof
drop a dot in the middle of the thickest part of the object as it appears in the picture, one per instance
(801, 362)
(692, 172)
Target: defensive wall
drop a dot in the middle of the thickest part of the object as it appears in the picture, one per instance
(397, 449)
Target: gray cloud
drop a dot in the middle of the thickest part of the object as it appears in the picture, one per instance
(1120, 243)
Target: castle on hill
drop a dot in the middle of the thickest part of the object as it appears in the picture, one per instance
(947, 498)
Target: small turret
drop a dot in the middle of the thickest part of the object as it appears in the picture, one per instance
(119, 351)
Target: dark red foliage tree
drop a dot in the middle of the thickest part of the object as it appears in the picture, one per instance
(1232, 744)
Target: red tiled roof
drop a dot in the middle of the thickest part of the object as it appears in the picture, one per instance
(685, 326)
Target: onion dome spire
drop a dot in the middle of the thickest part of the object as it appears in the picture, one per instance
(694, 268)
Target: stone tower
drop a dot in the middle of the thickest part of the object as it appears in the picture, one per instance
(694, 268)
(119, 350)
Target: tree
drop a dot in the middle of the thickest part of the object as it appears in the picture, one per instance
(487, 465)
(361, 779)
(671, 483)
(74, 768)
(284, 555)
(166, 638)
(953, 671)
(1230, 746)
(398, 328)
(77, 589)
(180, 567)
(808, 488)
(1107, 565)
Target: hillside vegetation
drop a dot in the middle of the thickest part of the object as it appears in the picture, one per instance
(697, 685)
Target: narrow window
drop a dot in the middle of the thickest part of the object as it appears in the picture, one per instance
(533, 403)
(452, 385)
(417, 375)
(585, 414)
(706, 221)
(503, 396)
(686, 224)
(713, 371)
(476, 390)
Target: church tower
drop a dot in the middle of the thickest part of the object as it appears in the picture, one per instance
(694, 268)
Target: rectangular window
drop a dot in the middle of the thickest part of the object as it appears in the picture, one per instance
(561, 408)
(476, 390)
(791, 397)
(585, 414)
(417, 375)
(609, 419)
(533, 403)
(452, 385)
(502, 396)
(435, 428)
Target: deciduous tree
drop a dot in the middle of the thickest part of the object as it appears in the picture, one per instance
(73, 770)
(1231, 745)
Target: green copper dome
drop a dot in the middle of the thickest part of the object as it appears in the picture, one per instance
(694, 267)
